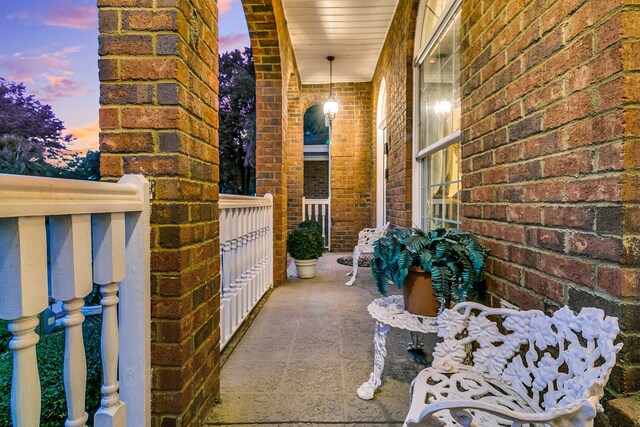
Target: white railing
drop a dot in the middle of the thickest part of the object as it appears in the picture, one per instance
(246, 247)
(320, 211)
(97, 233)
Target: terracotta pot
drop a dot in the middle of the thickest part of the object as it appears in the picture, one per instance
(306, 268)
(418, 294)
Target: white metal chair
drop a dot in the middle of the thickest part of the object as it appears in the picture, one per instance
(366, 238)
(512, 368)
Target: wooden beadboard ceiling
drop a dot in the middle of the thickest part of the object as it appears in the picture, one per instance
(351, 30)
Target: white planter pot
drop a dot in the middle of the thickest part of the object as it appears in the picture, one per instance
(306, 268)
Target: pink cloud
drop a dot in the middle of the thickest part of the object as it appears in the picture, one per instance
(24, 66)
(86, 137)
(233, 41)
(61, 87)
(64, 15)
(224, 6)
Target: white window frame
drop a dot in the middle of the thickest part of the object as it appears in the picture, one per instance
(420, 54)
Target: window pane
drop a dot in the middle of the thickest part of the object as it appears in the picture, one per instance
(440, 88)
(439, 106)
(432, 13)
(441, 187)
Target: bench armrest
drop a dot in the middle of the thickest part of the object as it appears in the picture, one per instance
(577, 414)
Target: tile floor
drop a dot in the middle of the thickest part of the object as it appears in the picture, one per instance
(306, 353)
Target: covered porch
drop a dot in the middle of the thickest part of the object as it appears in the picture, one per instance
(531, 143)
(306, 353)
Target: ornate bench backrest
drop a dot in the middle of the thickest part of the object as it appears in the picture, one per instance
(367, 236)
(549, 361)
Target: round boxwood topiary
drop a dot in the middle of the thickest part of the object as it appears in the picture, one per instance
(314, 225)
(304, 243)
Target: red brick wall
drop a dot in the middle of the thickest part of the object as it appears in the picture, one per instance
(350, 159)
(395, 66)
(316, 179)
(550, 156)
(158, 116)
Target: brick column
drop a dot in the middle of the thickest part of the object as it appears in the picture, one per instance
(295, 161)
(275, 66)
(550, 157)
(158, 116)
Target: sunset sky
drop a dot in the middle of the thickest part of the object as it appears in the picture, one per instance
(52, 47)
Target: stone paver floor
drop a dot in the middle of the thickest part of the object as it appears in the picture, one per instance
(306, 353)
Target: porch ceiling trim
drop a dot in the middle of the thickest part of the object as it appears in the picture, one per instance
(353, 31)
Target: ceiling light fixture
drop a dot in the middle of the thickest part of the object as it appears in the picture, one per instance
(331, 106)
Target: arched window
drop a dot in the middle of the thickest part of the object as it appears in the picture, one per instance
(316, 154)
(437, 136)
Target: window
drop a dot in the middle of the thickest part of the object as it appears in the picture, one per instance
(437, 147)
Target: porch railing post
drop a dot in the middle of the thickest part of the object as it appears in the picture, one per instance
(135, 310)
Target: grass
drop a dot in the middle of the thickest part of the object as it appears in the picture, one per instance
(50, 355)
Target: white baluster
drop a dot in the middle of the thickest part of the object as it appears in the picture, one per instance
(245, 276)
(324, 219)
(23, 291)
(108, 234)
(228, 295)
(25, 386)
(304, 204)
(235, 288)
(263, 259)
(71, 281)
(254, 256)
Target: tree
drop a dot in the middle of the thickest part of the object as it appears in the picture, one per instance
(25, 117)
(237, 115)
(31, 139)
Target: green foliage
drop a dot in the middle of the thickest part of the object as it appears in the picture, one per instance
(454, 258)
(50, 354)
(306, 242)
(5, 335)
(314, 225)
(237, 114)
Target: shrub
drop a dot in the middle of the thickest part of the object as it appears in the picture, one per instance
(304, 243)
(313, 225)
(50, 355)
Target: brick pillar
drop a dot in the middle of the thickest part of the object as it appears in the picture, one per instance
(295, 161)
(274, 65)
(550, 157)
(158, 116)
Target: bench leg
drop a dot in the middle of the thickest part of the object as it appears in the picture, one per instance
(416, 342)
(366, 390)
(354, 271)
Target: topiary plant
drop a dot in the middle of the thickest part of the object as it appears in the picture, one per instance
(312, 224)
(304, 243)
(454, 258)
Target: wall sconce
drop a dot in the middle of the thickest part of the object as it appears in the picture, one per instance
(331, 106)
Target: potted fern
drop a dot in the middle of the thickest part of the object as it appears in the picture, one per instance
(431, 267)
(306, 245)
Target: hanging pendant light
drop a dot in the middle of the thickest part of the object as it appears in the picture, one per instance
(331, 106)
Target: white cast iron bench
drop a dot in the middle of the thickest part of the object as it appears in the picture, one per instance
(366, 237)
(505, 367)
